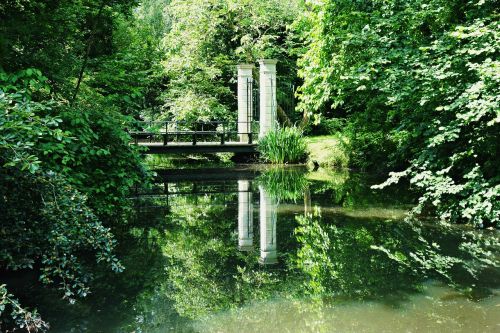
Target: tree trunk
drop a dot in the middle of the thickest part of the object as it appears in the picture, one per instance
(87, 51)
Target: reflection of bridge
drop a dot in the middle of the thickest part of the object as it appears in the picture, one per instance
(238, 172)
(171, 137)
(267, 219)
(267, 210)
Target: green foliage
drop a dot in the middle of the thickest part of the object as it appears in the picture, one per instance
(54, 157)
(206, 39)
(19, 316)
(85, 142)
(54, 36)
(45, 222)
(283, 145)
(284, 184)
(328, 126)
(418, 82)
(130, 78)
(66, 168)
(100, 162)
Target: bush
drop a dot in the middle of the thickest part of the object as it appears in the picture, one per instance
(329, 126)
(283, 145)
(420, 90)
(65, 173)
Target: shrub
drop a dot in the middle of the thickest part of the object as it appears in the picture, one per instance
(65, 172)
(329, 126)
(420, 90)
(283, 145)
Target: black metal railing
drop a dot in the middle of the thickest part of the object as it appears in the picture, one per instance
(167, 132)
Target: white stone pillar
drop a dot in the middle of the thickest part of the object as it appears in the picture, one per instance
(245, 100)
(268, 104)
(245, 216)
(267, 217)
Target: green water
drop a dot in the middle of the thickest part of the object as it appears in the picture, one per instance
(287, 250)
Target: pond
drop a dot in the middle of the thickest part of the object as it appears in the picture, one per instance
(263, 249)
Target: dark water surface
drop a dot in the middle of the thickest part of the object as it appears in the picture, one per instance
(287, 250)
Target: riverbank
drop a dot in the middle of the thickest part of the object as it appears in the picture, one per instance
(327, 151)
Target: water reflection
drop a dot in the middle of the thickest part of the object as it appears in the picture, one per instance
(238, 248)
(268, 218)
(245, 216)
(430, 311)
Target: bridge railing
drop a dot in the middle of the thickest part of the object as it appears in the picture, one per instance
(167, 132)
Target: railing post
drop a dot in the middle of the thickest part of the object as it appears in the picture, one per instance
(150, 132)
(177, 131)
(194, 138)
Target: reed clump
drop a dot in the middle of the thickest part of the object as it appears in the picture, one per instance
(283, 145)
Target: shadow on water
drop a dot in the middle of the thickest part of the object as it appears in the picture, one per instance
(248, 248)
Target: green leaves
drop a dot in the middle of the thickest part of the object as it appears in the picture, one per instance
(419, 84)
(22, 317)
(53, 157)
(24, 130)
(283, 145)
(207, 39)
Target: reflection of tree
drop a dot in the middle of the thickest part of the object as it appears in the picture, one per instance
(352, 190)
(368, 259)
(355, 257)
(206, 271)
(192, 268)
(339, 259)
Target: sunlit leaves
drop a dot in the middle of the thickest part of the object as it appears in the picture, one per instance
(419, 82)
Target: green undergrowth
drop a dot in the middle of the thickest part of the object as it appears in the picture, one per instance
(285, 145)
(328, 151)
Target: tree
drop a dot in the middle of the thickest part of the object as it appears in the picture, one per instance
(418, 82)
(207, 39)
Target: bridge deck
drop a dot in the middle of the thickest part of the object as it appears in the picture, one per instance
(199, 147)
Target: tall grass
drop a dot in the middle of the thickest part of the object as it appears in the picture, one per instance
(283, 145)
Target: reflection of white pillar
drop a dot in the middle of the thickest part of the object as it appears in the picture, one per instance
(245, 100)
(267, 86)
(268, 217)
(245, 216)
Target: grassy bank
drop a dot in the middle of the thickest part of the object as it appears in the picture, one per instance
(327, 151)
